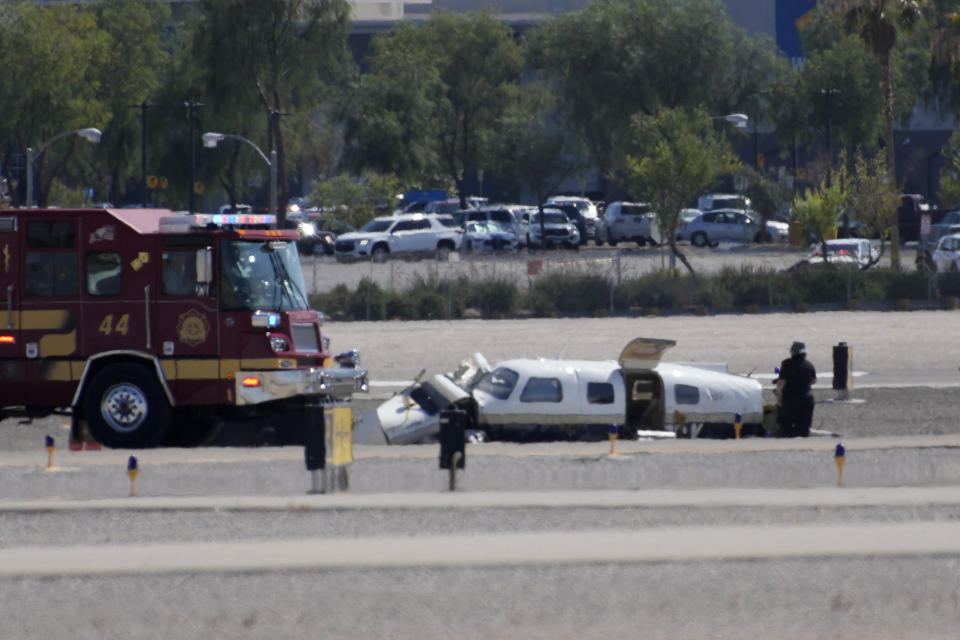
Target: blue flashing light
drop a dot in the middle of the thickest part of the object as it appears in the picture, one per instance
(265, 319)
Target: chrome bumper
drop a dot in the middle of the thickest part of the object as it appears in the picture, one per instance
(257, 387)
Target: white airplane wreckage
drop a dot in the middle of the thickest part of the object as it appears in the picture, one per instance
(540, 399)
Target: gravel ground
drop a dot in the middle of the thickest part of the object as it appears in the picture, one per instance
(886, 598)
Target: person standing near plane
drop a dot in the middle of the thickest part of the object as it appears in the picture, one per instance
(794, 397)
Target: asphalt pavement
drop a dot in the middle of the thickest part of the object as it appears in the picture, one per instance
(722, 539)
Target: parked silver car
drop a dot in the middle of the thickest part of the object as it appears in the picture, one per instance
(946, 257)
(626, 222)
(730, 225)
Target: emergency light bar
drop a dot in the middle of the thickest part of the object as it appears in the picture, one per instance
(180, 224)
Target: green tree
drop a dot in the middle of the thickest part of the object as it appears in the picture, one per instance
(679, 154)
(878, 24)
(270, 58)
(768, 193)
(619, 58)
(950, 171)
(818, 209)
(355, 200)
(434, 98)
(534, 146)
(837, 86)
(129, 74)
(873, 198)
(49, 84)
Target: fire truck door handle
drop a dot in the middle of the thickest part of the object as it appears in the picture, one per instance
(10, 306)
(146, 304)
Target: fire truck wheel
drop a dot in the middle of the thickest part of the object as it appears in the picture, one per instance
(126, 408)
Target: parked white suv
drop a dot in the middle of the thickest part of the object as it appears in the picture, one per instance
(419, 234)
(558, 230)
(581, 211)
(626, 221)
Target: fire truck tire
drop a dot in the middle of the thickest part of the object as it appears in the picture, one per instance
(126, 408)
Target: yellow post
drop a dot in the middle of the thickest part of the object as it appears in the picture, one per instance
(680, 422)
(737, 425)
(49, 445)
(613, 439)
(132, 473)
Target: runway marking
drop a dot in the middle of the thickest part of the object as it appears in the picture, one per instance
(825, 497)
(681, 544)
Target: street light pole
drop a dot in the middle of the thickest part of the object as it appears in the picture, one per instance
(211, 139)
(91, 134)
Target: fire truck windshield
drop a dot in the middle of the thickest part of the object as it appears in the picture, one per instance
(261, 275)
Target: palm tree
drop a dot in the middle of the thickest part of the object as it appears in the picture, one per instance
(878, 23)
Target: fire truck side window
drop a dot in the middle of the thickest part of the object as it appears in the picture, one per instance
(104, 274)
(51, 273)
(55, 234)
(179, 271)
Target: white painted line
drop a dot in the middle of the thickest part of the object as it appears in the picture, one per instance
(508, 549)
(773, 376)
(826, 497)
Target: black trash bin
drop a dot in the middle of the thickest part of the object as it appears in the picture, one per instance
(842, 370)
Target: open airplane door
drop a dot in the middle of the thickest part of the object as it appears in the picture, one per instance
(644, 386)
(643, 353)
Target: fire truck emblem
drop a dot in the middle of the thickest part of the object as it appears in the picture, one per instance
(106, 233)
(192, 328)
(142, 258)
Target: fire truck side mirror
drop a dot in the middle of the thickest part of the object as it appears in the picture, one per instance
(204, 270)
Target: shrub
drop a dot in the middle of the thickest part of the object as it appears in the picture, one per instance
(746, 286)
(492, 296)
(572, 292)
(652, 290)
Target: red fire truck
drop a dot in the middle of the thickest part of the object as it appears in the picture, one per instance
(152, 328)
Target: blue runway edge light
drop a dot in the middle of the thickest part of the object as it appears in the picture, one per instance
(840, 452)
(132, 463)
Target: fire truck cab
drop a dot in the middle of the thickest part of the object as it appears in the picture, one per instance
(149, 327)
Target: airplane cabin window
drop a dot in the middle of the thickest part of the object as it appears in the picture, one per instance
(542, 390)
(499, 383)
(599, 393)
(686, 394)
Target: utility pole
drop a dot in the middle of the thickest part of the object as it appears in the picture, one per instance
(192, 108)
(143, 106)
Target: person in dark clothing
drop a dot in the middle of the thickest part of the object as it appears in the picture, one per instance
(797, 375)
